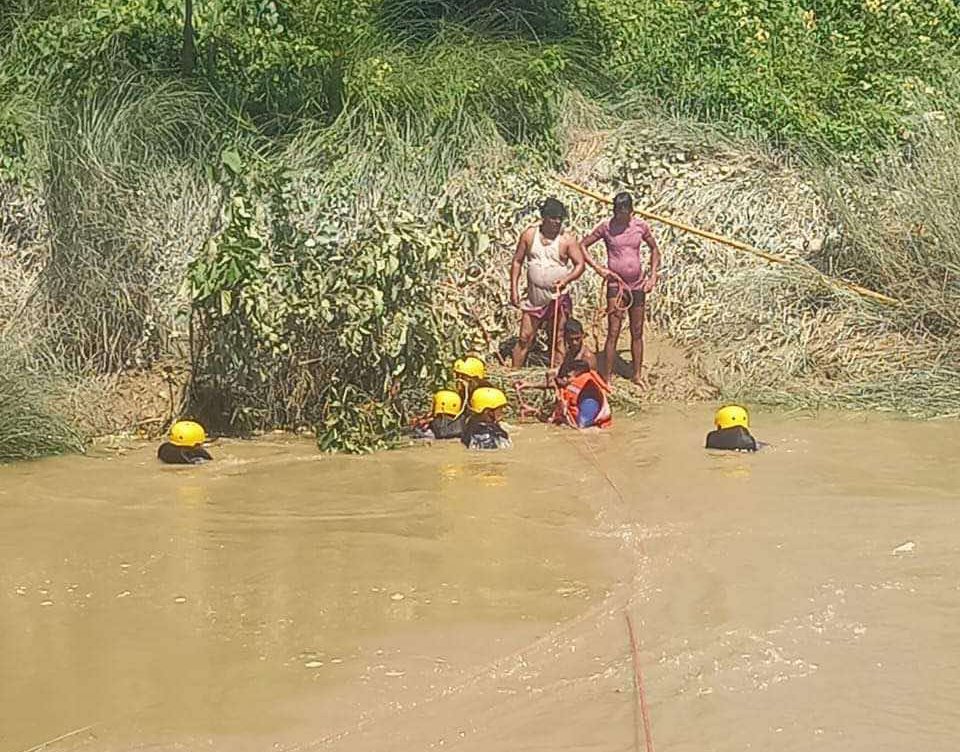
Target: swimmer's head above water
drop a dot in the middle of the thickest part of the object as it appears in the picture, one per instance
(488, 402)
(447, 402)
(732, 430)
(731, 415)
(184, 445)
(470, 367)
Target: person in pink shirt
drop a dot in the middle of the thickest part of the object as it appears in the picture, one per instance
(627, 283)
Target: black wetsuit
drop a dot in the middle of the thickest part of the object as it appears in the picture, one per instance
(448, 427)
(737, 438)
(482, 435)
(177, 455)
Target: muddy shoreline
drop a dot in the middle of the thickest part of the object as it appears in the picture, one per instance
(141, 404)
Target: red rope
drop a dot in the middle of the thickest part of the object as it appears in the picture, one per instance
(634, 648)
(638, 683)
(556, 326)
(609, 305)
(558, 394)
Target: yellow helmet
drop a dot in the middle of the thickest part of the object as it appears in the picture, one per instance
(186, 433)
(487, 398)
(471, 367)
(729, 416)
(446, 402)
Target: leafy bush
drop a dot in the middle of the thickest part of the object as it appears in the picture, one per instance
(322, 327)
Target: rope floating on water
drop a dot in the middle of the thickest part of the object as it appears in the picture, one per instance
(641, 693)
(638, 684)
(772, 257)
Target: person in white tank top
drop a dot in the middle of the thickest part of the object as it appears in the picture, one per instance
(554, 260)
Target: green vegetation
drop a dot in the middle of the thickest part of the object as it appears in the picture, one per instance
(840, 74)
(303, 197)
(836, 74)
(117, 162)
(29, 426)
(322, 325)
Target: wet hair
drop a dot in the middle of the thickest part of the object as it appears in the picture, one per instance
(623, 202)
(573, 327)
(553, 208)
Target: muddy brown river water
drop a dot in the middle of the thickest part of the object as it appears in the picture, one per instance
(804, 598)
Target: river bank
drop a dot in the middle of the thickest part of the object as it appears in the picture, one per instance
(280, 598)
(141, 404)
(254, 324)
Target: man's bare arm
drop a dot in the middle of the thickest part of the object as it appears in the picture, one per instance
(651, 278)
(516, 267)
(575, 254)
(598, 268)
(588, 241)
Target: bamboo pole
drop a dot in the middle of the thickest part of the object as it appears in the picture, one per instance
(772, 257)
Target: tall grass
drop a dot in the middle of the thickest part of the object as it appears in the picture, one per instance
(415, 113)
(901, 225)
(125, 200)
(29, 426)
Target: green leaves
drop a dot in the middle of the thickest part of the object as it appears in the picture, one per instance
(421, 82)
(232, 160)
(834, 74)
(320, 326)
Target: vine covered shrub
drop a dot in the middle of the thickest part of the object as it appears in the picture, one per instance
(323, 328)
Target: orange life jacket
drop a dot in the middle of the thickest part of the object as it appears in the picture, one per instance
(568, 397)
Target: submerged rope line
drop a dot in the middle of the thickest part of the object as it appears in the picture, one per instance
(638, 684)
(634, 647)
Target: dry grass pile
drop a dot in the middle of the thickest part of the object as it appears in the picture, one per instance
(771, 333)
(758, 331)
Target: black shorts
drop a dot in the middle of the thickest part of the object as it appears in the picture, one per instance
(635, 298)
